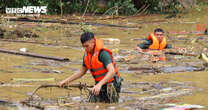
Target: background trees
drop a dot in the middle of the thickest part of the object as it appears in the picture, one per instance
(107, 7)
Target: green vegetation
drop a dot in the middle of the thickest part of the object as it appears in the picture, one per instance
(107, 7)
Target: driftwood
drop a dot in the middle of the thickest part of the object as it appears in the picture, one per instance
(15, 85)
(185, 33)
(32, 105)
(166, 52)
(138, 39)
(80, 86)
(68, 22)
(6, 103)
(22, 41)
(25, 79)
(27, 102)
(171, 53)
(150, 22)
(34, 55)
(179, 53)
(32, 42)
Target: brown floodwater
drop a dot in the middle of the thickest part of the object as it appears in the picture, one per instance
(65, 38)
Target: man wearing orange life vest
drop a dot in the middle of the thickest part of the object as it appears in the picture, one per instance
(99, 61)
(155, 41)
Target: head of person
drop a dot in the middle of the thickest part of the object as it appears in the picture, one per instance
(88, 41)
(159, 33)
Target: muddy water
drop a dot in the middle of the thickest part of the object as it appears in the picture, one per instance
(140, 90)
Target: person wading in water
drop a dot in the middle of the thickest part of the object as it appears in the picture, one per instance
(99, 61)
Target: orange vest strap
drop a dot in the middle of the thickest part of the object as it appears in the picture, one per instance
(100, 75)
(103, 74)
(98, 69)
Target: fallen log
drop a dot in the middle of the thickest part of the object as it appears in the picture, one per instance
(166, 52)
(150, 22)
(45, 44)
(185, 33)
(68, 22)
(34, 55)
(178, 53)
(23, 41)
(6, 103)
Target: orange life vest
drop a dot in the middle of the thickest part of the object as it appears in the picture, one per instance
(96, 67)
(155, 42)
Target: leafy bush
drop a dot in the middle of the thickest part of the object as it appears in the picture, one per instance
(124, 7)
(110, 7)
(162, 6)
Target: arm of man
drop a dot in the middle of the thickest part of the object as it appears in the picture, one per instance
(108, 76)
(168, 46)
(138, 49)
(75, 76)
(145, 44)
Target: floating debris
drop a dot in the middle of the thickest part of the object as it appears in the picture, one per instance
(114, 41)
(167, 95)
(34, 55)
(153, 96)
(67, 22)
(42, 70)
(20, 33)
(171, 69)
(181, 69)
(32, 80)
(5, 71)
(15, 85)
(7, 103)
(182, 107)
(48, 63)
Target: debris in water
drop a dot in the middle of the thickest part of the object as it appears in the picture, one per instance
(23, 49)
(34, 55)
(32, 80)
(172, 69)
(111, 41)
(182, 107)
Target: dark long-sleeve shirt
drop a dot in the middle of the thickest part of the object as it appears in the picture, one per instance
(147, 43)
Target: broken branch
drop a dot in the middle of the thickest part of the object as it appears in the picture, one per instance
(80, 86)
(33, 55)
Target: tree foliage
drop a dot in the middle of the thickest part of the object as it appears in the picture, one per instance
(109, 7)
